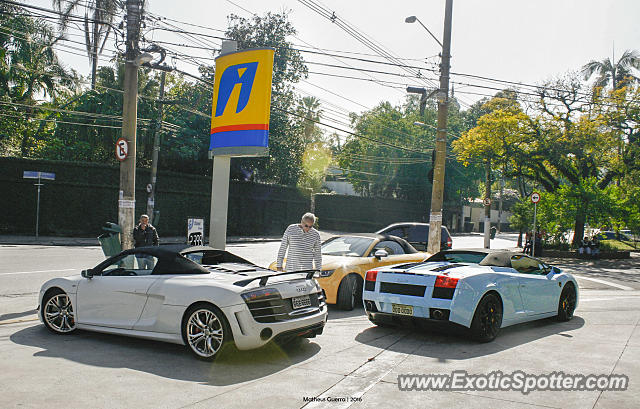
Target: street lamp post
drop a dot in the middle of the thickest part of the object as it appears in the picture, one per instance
(437, 193)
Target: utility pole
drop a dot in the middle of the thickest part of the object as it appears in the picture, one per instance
(127, 193)
(156, 149)
(437, 192)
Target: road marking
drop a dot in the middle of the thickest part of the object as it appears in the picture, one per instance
(620, 286)
(36, 272)
(606, 299)
(16, 321)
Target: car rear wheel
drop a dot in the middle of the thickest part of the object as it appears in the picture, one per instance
(347, 293)
(567, 303)
(205, 331)
(57, 312)
(487, 319)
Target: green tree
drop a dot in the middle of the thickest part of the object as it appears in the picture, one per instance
(29, 70)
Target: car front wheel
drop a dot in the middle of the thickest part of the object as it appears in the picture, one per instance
(487, 319)
(205, 331)
(347, 293)
(57, 312)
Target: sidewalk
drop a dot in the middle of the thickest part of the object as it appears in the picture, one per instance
(93, 241)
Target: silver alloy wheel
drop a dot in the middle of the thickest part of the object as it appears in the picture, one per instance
(58, 313)
(205, 333)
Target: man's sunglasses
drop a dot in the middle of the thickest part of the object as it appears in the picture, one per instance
(307, 226)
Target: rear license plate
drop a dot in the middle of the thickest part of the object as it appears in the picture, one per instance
(301, 302)
(402, 309)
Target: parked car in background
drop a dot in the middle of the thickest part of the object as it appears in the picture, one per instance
(417, 234)
(346, 258)
(200, 297)
(480, 289)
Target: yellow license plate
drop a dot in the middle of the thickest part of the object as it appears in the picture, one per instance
(402, 309)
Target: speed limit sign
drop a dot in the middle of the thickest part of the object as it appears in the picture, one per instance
(535, 197)
(122, 149)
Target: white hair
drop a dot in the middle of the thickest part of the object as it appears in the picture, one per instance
(310, 217)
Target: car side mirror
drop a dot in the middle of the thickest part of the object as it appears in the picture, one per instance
(87, 273)
(380, 254)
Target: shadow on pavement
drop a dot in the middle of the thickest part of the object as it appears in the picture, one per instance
(14, 315)
(164, 359)
(453, 342)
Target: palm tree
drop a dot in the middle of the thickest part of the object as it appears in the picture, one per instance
(98, 18)
(310, 108)
(619, 74)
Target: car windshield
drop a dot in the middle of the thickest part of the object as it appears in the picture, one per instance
(351, 246)
(468, 257)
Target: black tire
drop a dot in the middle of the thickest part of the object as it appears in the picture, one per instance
(567, 302)
(487, 318)
(347, 293)
(205, 331)
(57, 312)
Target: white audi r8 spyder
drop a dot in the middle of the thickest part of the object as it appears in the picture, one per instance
(200, 297)
(482, 290)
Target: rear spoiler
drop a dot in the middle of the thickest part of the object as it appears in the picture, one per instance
(263, 279)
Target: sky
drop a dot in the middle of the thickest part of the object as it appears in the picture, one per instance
(521, 41)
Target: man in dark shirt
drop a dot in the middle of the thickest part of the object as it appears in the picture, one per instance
(144, 235)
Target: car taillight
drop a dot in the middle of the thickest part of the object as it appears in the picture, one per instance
(371, 275)
(449, 242)
(446, 282)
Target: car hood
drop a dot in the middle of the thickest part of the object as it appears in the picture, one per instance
(334, 262)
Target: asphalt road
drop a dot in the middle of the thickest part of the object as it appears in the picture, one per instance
(353, 360)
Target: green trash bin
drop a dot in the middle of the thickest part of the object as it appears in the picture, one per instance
(492, 233)
(110, 241)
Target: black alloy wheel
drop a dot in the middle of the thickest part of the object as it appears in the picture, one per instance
(567, 303)
(487, 319)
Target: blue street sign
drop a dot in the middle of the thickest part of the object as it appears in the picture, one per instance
(32, 174)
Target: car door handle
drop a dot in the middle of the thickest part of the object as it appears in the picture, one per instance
(522, 285)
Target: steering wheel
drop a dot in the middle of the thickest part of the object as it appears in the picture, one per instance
(131, 273)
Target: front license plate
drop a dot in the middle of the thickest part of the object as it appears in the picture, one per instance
(301, 302)
(402, 309)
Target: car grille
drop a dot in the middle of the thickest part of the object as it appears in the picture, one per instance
(276, 309)
(403, 289)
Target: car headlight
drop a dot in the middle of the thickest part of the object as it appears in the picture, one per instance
(260, 294)
(326, 273)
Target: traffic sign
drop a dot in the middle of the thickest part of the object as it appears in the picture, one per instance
(487, 201)
(535, 197)
(122, 149)
(32, 174)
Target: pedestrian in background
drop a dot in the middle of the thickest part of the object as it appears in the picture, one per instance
(144, 234)
(303, 243)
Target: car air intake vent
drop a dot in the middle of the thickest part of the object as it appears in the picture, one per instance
(403, 289)
(446, 267)
(404, 266)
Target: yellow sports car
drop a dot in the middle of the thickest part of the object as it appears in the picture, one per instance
(346, 259)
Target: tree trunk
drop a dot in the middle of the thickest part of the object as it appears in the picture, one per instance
(578, 228)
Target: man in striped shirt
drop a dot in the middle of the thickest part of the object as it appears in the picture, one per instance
(303, 242)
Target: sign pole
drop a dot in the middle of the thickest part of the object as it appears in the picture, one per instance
(533, 245)
(535, 198)
(38, 207)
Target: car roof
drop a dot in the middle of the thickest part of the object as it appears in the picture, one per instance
(494, 257)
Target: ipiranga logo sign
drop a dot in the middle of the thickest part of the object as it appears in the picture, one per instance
(241, 103)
